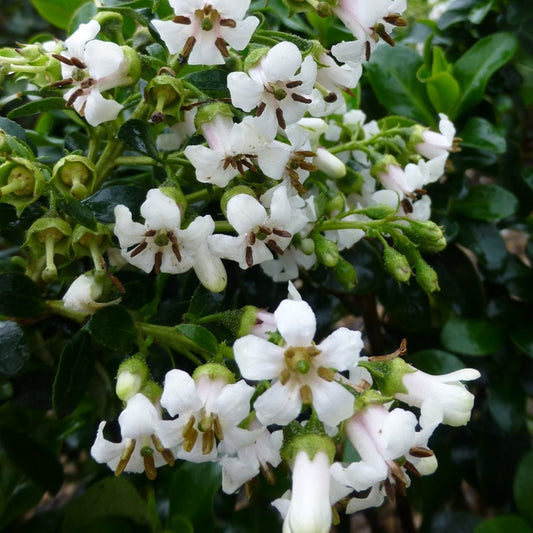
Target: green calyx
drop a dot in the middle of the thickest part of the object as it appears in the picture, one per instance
(310, 443)
(73, 176)
(214, 371)
(388, 374)
(207, 114)
(132, 375)
(166, 94)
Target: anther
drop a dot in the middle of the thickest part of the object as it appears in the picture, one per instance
(181, 19)
(78, 63)
(73, 97)
(139, 248)
(62, 83)
(188, 46)
(63, 59)
(229, 23)
(325, 373)
(249, 256)
(158, 259)
(299, 98)
(274, 246)
(175, 245)
(293, 84)
(208, 441)
(221, 45)
(285, 376)
(418, 451)
(306, 394)
(260, 108)
(281, 232)
(125, 458)
(280, 118)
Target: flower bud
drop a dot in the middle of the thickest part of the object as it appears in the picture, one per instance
(329, 164)
(152, 391)
(378, 211)
(345, 273)
(426, 234)
(335, 205)
(426, 277)
(326, 251)
(213, 371)
(73, 176)
(86, 242)
(131, 65)
(132, 374)
(207, 114)
(396, 264)
(351, 183)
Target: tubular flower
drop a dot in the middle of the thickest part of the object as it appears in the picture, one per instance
(201, 29)
(162, 245)
(83, 293)
(92, 66)
(301, 372)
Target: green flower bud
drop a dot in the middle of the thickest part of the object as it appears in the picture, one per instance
(311, 443)
(345, 273)
(214, 371)
(388, 375)
(165, 93)
(426, 277)
(254, 57)
(208, 112)
(396, 264)
(378, 211)
(132, 375)
(133, 65)
(326, 251)
(176, 195)
(351, 183)
(426, 234)
(336, 204)
(73, 175)
(371, 397)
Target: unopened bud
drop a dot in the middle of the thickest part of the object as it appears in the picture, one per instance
(378, 211)
(345, 273)
(396, 264)
(326, 251)
(426, 234)
(426, 277)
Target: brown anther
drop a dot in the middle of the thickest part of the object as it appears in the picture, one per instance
(299, 98)
(73, 97)
(406, 205)
(306, 394)
(125, 458)
(302, 154)
(249, 256)
(265, 229)
(151, 233)
(240, 168)
(293, 84)
(412, 468)
(78, 63)
(308, 166)
(181, 19)
(418, 451)
(402, 350)
(325, 373)
(385, 36)
(81, 111)
(368, 51)
(248, 164)
(330, 97)
(281, 232)
(217, 427)
(149, 467)
(389, 490)
(274, 246)
(85, 84)
(63, 59)
(295, 180)
(62, 83)
(395, 19)
(268, 473)
(221, 45)
(284, 376)
(139, 248)
(229, 23)
(208, 9)
(399, 476)
(175, 246)
(208, 441)
(280, 118)
(188, 46)
(158, 259)
(260, 109)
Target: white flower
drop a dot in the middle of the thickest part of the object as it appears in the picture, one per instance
(92, 66)
(201, 29)
(233, 149)
(301, 372)
(162, 245)
(180, 131)
(83, 293)
(279, 86)
(455, 400)
(209, 409)
(287, 266)
(145, 440)
(260, 234)
(309, 510)
(437, 144)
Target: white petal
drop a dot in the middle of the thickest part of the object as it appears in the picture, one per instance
(103, 59)
(239, 37)
(341, 349)
(77, 41)
(139, 418)
(257, 358)
(98, 109)
(296, 322)
(281, 62)
(174, 35)
(179, 393)
(245, 92)
(204, 51)
(245, 212)
(278, 405)
(160, 211)
(332, 402)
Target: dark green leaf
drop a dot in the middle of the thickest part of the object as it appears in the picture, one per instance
(504, 524)
(37, 107)
(19, 296)
(57, 12)
(73, 374)
(480, 133)
(112, 497)
(14, 129)
(103, 202)
(201, 336)
(138, 135)
(192, 493)
(523, 487)
(113, 328)
(456, 521)
(14, 350)
(435, 361)
(80, 213)
(392, 74)
(85, 12)
(34, 460)
(507, 403)
(475, 337)
(486, 202)
(522, 336)
(204, 302)
(477, 65)
(212, 82)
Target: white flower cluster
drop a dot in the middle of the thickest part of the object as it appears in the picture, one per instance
(214, 419)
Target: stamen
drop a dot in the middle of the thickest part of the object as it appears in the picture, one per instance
(406, 205)
(175, 245)
(281, 232)
(281, 119)
(78, 63)
(85, 84)
(418, 451)
(306, 394)
(368, 51)
(249, 256)
(412, 468)
(167, 455)
(260, 109)
(150, 233)
(389, 490)
(181, 19)
(158, 259)
(330, 98)
(229, 23)
(125, 457)
(308, 166)
(63, 59)
(188, 46)
(73, 97)
(208, 441)
(149, 467)
(395, 19)
(139, 248)
(299, 98)
(62, 83)
(217, 427)
(265, 229)
(273, 245)
(325, 373)
(285, 376)
(293, 84)
(221, 45)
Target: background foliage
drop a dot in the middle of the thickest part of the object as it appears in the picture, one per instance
(475, 63)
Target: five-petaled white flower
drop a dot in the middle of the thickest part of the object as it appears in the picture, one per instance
(279, 86)
(201, 29)
(301, 372)
(162, 245)
(92, 66)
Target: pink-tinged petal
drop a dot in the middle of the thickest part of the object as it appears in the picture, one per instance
(179, 393)
(174, 35)
(281, 62)
(398, 433)
(160, 211)
(239, 37)
(296, 322)
(257, 358)
(332, 402)
(103, 59)
(278, 405)
(98, 109)
(244, 212)
(341, 349)
(245, 92)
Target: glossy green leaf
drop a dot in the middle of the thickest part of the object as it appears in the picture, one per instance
(392, 74)
(486, 202)
(19, 296)
(507, 403)
(480, 133)
(13, 128)
(522, 337)
(504, 524)
(14, 351)
(138, 135)
(212, 82)
(102, 203)
(57, 12)
(192, 493)
(37, 107)
(201, 336)
(476, 66)
(113, 328)
(443, 92)
(475, 337)
(523, 487)
(79, 212)
(74, 372)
